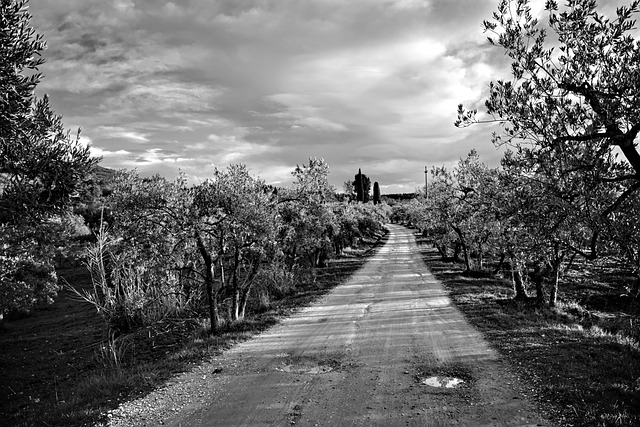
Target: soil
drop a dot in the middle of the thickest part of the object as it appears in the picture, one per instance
(386, 348)
(45, 354)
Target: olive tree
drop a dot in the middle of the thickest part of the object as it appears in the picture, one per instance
(308, 222)
(439, 216)
(234, 220)
(170, 246)
(573, 101)
(41, 165)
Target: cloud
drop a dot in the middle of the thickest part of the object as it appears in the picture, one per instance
(110, 132)
(228, 149)
(166, 85)
(320, 124)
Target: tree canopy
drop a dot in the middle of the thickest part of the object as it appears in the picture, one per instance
(362, 187)
(376, 193)
(42, 167)
(171, 246)
(572, 107)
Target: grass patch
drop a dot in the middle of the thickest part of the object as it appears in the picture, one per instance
(581, 358)
(59, 368)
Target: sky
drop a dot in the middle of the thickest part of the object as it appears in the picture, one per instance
(191, 85)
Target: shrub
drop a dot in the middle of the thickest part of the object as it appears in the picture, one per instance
(129, 291)
(24, 284)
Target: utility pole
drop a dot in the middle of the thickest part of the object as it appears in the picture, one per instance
(426, 182)
(361, 197)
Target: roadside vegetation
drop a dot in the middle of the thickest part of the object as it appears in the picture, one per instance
(163, 274)
(580, 359)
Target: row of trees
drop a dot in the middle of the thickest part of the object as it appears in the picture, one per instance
(172, 248)
(532, 223)
(569, 184)
(167, 244)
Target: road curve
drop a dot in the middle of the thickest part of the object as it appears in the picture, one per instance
(357, 357)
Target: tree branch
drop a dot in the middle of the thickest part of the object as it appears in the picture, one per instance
(621, 178)
(583, 138)
(593, 247)
(628, 192)
(633, 132)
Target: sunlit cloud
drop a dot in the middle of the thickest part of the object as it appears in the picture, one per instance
(111, 155)
(109, 132)
(166, 86)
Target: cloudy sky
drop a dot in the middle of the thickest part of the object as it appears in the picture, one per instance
(187, 85)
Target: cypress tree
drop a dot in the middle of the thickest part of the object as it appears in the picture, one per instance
(362, 185)
(376, 193)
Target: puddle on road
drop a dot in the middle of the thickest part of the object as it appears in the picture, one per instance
(302, 369)
(448, 376)
(308, 365)
(442, 382)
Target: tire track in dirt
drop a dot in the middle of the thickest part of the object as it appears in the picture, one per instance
(356, 357)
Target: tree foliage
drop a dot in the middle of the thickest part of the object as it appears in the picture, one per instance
(376, 193)
(42, 167)
(141, 264)
(41, 164)
(20, 57)
(528, 223)
(570, 112)
(362, 187)
(308, 220)
(572, 104)
(173, 249)
(234, 219)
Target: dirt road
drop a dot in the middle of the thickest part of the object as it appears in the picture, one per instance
(379, 350)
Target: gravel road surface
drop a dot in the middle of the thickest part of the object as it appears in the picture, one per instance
(388, 348)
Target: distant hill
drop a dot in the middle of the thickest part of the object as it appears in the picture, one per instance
(103, 175)
(100, 182)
